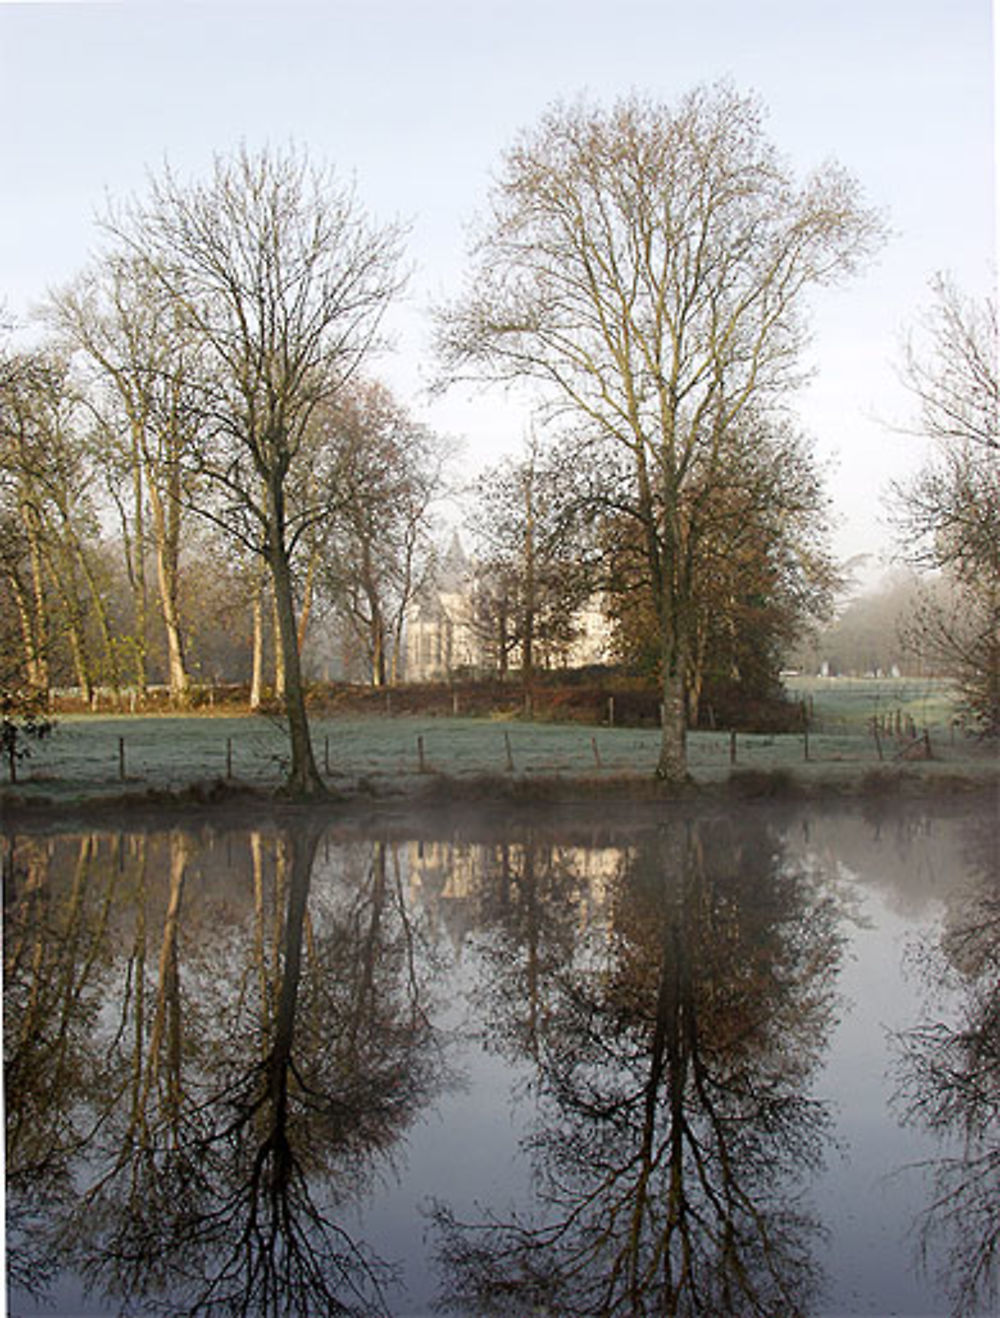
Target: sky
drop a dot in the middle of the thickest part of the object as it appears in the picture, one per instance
(415, 102)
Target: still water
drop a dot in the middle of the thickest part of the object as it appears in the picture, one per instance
(643, 1063)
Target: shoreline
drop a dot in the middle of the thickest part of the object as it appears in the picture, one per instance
(435, 792)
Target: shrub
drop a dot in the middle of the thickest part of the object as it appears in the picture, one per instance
(23, 719)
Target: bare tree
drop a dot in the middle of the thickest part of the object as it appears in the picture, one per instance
(531, 569)
(50, 555)
(378, 545)
(281, 281)
(134, 348)
(948, 515)
(24, 378)
(647, 266)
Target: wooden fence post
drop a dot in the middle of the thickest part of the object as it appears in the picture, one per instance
(510, 756)
(121, 758)
(420, 755)
(229, 757)
(732, 746)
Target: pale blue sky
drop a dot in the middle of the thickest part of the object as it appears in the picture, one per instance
(416, 101)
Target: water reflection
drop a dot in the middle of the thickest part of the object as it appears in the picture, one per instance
(673, 1060)
(222, 1047)
(948, 1074)
(192, 1096)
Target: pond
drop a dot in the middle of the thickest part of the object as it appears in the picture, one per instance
(635, 1061)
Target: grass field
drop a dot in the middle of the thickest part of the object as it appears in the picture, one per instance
(851, 702)
(90, 755)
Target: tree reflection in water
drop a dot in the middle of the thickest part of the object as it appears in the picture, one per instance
(948, 1081)
(673, 1062)
(192, 1151)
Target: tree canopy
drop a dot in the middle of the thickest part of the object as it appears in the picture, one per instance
(948, 515)
(647, 266)
(279, 280)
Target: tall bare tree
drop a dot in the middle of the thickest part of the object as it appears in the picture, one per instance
(134, 349)
(281, 281)
(646, 266)
(24, 378)
(51, 560)
(378, 545)
(948, 515)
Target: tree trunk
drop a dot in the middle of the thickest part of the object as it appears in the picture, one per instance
(166, 528)
(303, 776)
(177, 674)
(38, 608)
(675, 628)
(672, 764)
(307, 596)
(66, 586)
(279, 652)
(378, 650)
(76, 552)
(257, 660)
(528, 660)
(503, 642)
(528, 616)
(138, 565)
(78, 650)
(33, 667)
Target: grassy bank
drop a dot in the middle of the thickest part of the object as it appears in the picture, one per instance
(141, 758)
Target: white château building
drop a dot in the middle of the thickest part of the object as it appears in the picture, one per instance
(441, 638)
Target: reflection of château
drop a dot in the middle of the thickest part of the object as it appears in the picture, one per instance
(444, 635)
(450, 880)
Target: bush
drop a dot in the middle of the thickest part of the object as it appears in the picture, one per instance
(23, 719)
(728, 706)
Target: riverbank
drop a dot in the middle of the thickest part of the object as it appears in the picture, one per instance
(977, 785)
(175, 763)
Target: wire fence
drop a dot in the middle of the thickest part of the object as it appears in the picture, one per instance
(122, 753)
